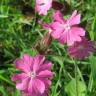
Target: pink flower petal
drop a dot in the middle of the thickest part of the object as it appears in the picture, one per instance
(78, 30)
(45, 74)
(17, 77)
(70, 38)
(19, 63)
(74, 35)
(73, 14)
(46, 82)
(46, 26)
(39, 1)
(74, 19)
(57, 33)
(56, 25)
(57, 16)
(63, 39)
(38, 61)
(46, 66)
(28, 59)
(23, 85)
(31, 87)
(39, 85)
(42, 6)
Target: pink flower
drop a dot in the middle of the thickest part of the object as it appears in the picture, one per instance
(82, 49)
(29, 94)
(42, 6)
(67, 31)
(35, 76)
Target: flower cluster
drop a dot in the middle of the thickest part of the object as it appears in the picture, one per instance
(35, 76)
(68, 31)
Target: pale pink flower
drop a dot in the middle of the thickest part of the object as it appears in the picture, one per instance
(42, 6)
(67, 31)
(82, 49)
(35, 74)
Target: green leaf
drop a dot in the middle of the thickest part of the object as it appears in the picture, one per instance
(59, 60)
(6, 80)
(92, 33)
(2, 90)
(71, 88)
(31, 52)
(3, 16)
(93, 66)
(17, 93)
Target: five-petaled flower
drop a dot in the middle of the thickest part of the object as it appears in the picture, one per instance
(81, 50)
(42, 6)
(67, 31)
(35, 76)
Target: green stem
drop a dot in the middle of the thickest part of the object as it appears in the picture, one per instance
(90, 85)
(80, 74)
(76, 77)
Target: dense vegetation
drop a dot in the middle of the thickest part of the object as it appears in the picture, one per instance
(20, 33)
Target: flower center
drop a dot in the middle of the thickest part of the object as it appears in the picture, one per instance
(50, 30)
(81, 47)
(32, 74)
(66, 27)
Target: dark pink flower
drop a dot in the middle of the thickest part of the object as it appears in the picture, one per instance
(82, 49)
(29, 94)
(35, 76)
(67, 31)
(42, 6)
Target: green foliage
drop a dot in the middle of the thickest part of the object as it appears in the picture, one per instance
(20, 34)
(93, 66)
(71, 88)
